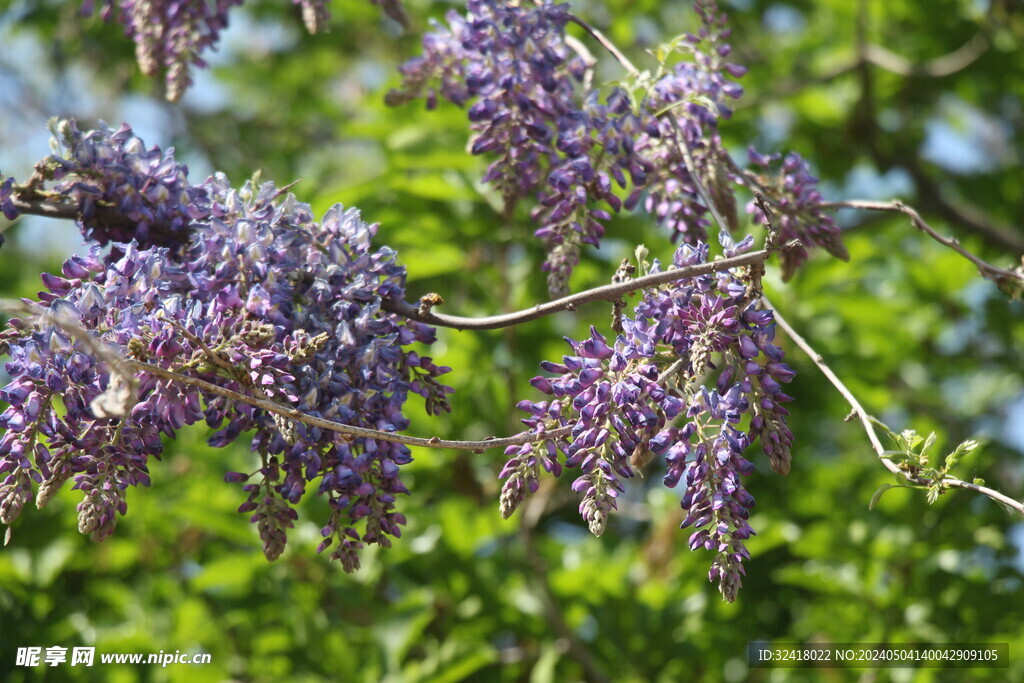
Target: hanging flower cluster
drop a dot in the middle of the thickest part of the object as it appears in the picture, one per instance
(579, 156)
(171, 35)
(244, 289)
(799, 213)
(259, 298)
(693, 379)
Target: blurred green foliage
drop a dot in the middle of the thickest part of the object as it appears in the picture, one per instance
(466, 595)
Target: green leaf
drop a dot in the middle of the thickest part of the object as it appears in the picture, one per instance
(961, 450)
(928, 443)
(902, 479)
(434, 186)
(702, 100)
(910, 439)
(888, 432)
(878, 494)
(460, 663)
(897, 456)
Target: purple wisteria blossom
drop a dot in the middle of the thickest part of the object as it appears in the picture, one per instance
(512, 64)
(699, 93)
(122, 190)
(582, 156)
(169, 35)
(259, 298)
(572, 150)
(598, 160)
(694, 378)
(529, 112)
(511, 61)
(798, 210)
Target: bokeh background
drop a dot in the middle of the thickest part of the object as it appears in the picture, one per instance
(921, 101)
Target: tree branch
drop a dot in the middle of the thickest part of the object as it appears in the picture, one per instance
(930, 195)
(998, 275)
(605, 43)
(691, 167)
(127, 366)
(749, 179)
(818, 360)
(569, 303)
(588, 60)
(299, 416)
(869, 427)
(963, 214)
(54, 209)
(423, 313)
(107, 215)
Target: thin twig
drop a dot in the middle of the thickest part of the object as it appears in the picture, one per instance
(869, 428)
(749, 179)
(127, 366)
(606, 44)
(985, 491)
(119, 396)
(588, 60)
(299, 416)
(414, 312)
(934, 198)
(212, 355)
(605, 293)
(691, 166)
(671, 370)
(109, 216)
(681, 143)
(818, 360)
(54, 209)
(987, 270)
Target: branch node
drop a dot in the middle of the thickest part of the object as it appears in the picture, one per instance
(427, 302)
